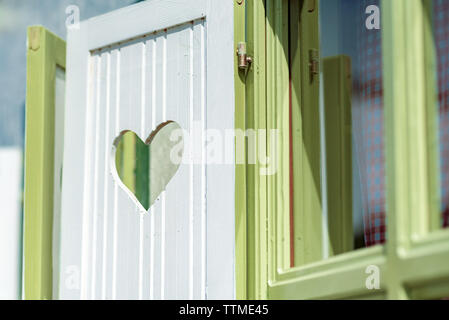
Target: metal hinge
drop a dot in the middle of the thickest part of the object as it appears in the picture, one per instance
(244, 61)
(314, 62)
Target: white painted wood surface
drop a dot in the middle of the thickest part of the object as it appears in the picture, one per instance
(57, 178)
(10, 223)
(132, 70)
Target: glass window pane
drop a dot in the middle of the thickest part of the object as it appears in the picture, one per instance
(350, 28)
(441, 36)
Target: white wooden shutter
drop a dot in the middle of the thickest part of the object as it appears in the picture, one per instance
(133, 69)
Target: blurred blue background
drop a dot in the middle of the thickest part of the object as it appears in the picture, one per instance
(15, 17)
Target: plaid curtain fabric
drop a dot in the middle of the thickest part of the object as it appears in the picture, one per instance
(368, 85)
(370, 145)
(441, 30)
(369, 128)
(365, 49)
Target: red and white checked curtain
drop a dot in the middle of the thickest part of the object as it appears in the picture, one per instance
(369, 127)
(441, 32)
(369, 132)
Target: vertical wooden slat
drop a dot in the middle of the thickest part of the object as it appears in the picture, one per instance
(128, 213)
(306, 128)
(157, 209)
(203, 241)
(337, 111)
(106, 182)
(190, 256)
(116, 187)
(45, 52)
(154, 211)
(100, 188)
(110, 195)
(240, 171)
(256, 102)
(142, 169)
(197, 265)
(89, 183)
(58, 165)
(147, 253)
(164, 274)
(179, 209)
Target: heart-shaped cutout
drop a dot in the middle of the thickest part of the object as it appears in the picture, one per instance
(144, 169)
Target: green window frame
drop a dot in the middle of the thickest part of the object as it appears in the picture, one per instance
(45, 53)
(413, 264)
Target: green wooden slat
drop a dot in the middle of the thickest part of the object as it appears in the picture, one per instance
(277, 113)
(337, 112)
(44, 53)
(256, 184)
(306, 135)
(240, 169)
(278, 117)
